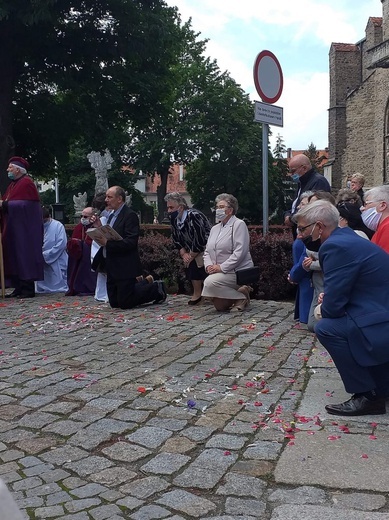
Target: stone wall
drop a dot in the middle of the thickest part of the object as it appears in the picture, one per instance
(359, 98)
(345, 76)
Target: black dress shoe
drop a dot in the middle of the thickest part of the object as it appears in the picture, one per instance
(13, 294)
(358, 405)
(161, 292)
(195, 302)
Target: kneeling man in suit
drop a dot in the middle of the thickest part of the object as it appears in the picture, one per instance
(354, 327)
(120, 258)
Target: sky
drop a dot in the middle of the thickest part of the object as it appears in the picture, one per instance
(299, 33)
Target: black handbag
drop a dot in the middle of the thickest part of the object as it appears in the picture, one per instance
(247, 276)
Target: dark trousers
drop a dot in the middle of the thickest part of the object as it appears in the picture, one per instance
(332, 334)
(126, 294)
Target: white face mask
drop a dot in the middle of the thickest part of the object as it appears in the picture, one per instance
(220, 215)
(85, 221)
(371, 218)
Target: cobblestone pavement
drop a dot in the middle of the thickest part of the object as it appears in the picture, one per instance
(170, 411)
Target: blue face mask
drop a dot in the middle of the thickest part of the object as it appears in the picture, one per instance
(295, 177)
(11, 176)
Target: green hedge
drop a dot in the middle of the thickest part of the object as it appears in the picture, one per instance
(272, 253)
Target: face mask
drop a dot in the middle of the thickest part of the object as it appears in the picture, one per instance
(173, 214)
(308, 241)
(371, 218)
(220, 214)
(11, 176)
(85, 221)
(313, 245)
(295, 177)
(348, 184)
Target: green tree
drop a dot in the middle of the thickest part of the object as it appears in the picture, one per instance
(70, 68)
(185, 120)
(281, 179)
(317, 159)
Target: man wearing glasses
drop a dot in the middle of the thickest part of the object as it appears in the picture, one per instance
(308, 179)
(354, 324)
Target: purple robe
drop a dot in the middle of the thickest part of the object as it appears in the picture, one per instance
(22, 229)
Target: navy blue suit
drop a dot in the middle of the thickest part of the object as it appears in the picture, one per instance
(355, 309)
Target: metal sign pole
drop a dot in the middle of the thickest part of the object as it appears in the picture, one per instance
(265, 177)
(269, 81)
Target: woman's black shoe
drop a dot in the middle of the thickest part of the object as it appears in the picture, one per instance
(195, 302)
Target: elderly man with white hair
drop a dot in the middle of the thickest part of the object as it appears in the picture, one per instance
(22, 231)
(354, 324)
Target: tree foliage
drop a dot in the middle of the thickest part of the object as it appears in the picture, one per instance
(180, 124)
(71, 69)
(317, 159)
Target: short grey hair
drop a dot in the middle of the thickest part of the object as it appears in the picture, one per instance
(176, 197)
(359, 177)
(231, 201)
(306, 194)
(320, 210)
(378, 193)
(348, 195)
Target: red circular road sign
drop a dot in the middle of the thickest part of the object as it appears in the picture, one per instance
(268, 77)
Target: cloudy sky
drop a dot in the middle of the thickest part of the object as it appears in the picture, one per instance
(299, 33)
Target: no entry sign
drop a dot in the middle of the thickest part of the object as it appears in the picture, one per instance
(268, 77)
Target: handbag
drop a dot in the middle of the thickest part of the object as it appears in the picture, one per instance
(247, 276)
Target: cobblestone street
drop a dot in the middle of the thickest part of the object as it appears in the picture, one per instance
(178, 412)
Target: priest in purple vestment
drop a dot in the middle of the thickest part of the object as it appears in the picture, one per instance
(22, 231)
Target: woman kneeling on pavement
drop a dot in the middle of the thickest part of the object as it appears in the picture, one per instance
(227, 251)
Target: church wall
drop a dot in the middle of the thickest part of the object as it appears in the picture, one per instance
(345, 76)
(365, 125)
(385, 18)
(359, 150)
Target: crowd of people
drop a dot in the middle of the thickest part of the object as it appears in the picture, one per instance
(340, 263)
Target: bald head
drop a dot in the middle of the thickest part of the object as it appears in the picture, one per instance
(299, 164)
(87, 212)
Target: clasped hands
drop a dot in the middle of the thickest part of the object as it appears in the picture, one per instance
(212, 269)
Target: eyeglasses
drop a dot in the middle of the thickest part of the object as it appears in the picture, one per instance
(302, 229)
(222, 207)
(371, 202)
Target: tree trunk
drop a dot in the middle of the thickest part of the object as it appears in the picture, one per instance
(8, 72)
(161, 193)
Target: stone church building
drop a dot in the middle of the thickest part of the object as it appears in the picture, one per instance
(358, 132)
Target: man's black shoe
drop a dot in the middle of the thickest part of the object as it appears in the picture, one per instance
(161, 292)
(358, 405)
(13, 294)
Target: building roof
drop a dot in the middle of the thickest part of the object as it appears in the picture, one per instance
(375, 20)
(345, 47)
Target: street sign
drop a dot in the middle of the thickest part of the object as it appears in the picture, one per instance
(269, 82)
(266, 113)
(268, 78)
